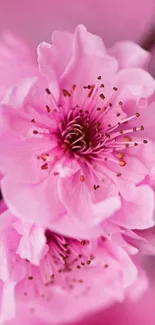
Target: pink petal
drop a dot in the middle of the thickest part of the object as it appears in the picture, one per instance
(73, 227)
(7, 311)
(32, 243)
(18, 94)
(129, 54)
(133, 172)
(5, 218)
(135, 80)
(75, 197)
(137, 213)
(50, 56)
(24, 160)
(88, 48)
(105, 209)
(35, 203)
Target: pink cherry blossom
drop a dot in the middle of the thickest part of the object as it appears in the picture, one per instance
(44, 273)
(77, 142)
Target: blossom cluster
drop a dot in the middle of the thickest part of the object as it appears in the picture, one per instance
(77, 168)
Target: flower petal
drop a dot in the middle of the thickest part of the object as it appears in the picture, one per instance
(50, 56)
(32, 243)
(18, 94)
(139, 212)
(74, 195)
(129, 55)
(36, 203)
(7, 311)
(20, 161)
(136, 81)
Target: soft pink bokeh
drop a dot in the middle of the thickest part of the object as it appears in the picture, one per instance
(113, 19)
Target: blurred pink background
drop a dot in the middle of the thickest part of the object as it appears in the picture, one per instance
(114, 20)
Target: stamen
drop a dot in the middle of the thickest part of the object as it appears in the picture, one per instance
(66, 93)
(91, 90)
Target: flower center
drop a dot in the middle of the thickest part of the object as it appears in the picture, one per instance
(80, 133)
(95, 129)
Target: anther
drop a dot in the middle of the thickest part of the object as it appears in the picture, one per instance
(106, 266)
(33, 120)
(83, 242)
(102, 96)
(48, 109)
(96, 187)
(82, 178)
(120, 155)
(91, 90)
(115, 88)
(127, 139)
(30, 277)
(44, 157)
(48, 91)
(35, 132)
(99, 78)
(45, 166)
(145, 141)
(66, 93)
(137, 114)
(74, 87)
(122, 163)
